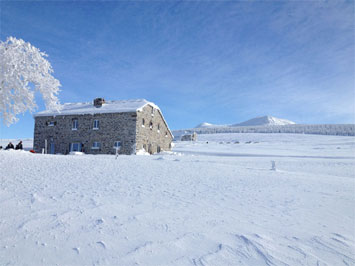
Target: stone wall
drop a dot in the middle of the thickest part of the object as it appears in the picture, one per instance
(113, 127)
(149, 136)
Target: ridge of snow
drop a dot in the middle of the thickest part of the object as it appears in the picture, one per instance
(123, 106)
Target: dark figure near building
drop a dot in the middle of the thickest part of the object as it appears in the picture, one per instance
(9, 146)
(19, 146)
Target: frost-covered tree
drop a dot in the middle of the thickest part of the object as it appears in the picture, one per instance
(24, 70)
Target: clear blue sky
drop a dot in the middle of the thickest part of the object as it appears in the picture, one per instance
(217, 62)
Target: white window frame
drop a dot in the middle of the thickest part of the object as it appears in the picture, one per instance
(75, 124)
(96, 145)
(116, 146)
(72, 146)
(96, 124)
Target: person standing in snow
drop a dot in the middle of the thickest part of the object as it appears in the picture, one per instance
(19, 146)
(9, 146)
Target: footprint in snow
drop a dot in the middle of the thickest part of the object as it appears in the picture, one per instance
(34, 198)
(99, 221)
(101, 244)
(77, 250)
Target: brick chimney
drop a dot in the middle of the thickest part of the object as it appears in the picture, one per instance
(98, 102)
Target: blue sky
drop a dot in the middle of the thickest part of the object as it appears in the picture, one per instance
(218, 62)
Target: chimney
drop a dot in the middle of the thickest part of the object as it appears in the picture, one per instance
(98, 102)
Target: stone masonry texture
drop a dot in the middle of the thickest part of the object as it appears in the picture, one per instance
(124, 127)
(154, 133)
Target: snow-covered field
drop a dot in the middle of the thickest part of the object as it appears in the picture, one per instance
(215, 203)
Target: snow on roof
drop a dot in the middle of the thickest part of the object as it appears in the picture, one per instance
(123, 106)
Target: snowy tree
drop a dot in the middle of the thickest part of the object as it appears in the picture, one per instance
(23, 71)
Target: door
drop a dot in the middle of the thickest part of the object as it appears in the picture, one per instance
(76, 146)
(51, 148)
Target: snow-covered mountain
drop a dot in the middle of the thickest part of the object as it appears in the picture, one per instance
(257, 121)
(204, 124)
(265, 121)
(207, 125)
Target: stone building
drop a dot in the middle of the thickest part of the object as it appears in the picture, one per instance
(102, 127)
(189, 137)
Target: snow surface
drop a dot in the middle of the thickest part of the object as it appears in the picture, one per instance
(215, 203)
(107, 107)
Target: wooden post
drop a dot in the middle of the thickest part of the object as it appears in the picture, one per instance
(45, 146)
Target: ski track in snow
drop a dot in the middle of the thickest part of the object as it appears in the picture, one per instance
(196, 206)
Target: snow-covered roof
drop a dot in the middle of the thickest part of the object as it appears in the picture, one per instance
(123, 106)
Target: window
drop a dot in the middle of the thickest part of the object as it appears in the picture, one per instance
(151, 125)
(96, 124)
(143, 122)
(51, 123)
(96, 145)
(117, 145)
(76, 146)
(158, 128)
(166, 134)
(153, 111)
(158, 149)
(75, 124)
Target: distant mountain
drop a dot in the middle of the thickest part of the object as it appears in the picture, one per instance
(206, 125)
(257, 121)
(265, 121)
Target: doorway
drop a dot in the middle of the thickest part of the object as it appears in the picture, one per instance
(51, 148)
